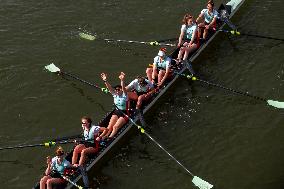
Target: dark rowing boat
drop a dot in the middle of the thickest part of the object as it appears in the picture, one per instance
(106, 150)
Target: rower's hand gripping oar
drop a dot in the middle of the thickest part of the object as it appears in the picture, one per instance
(54, 69)
(200, 183)
(93, 37)
(273, 103)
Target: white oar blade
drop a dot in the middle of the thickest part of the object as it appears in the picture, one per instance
(52, 68)
(202, 184)
(275, 103)
(87, 36)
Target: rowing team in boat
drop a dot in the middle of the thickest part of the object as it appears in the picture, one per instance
(140, 90)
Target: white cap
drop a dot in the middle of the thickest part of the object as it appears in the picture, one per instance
(161, 53)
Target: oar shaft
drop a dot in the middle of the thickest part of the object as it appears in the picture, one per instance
(79, 79)
(21, 146)
(232, 90)
(71, 182)
(159, 145)
(154, 43)
(46, 144)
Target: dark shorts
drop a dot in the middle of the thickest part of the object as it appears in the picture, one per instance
(55, 174)
(89, 144)
(120, 114)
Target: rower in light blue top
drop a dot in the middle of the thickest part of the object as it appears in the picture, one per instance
(161, 68)
(209, 17)
(55, 170)
(140, 90)
(187, 41)
(120, 98)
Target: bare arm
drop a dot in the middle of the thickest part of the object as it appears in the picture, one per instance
(212, 22)
(48, 162)
(180, 38)
(165, 76)
(154, 71)
(201, 15)
(193, 37)
(109, 87)
(121, 77)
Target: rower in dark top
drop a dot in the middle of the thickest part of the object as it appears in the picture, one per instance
(120, 97)
(161, 69)
(140, 90)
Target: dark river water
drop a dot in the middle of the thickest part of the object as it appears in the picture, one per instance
(229, 140)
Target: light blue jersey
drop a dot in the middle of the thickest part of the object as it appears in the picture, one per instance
(134, 85)
(189, 30)
(209, 16)
(90, 135)
(120, 101)
(59, 167)
(162, 63)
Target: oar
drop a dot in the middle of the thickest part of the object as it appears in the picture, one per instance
(67, 137)
(200, 183)
(234, 32)
(46, 144)
(93, 37)
(273, 103)
(71, 182)
(54, 69)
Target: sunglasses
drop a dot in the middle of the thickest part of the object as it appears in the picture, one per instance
(83, 123)
(118, 89)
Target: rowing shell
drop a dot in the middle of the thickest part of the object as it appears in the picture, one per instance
(105, 151)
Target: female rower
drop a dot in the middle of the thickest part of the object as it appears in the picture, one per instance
(140, 90)
(118, 118)
(55, 168)
(90, 144)
(209, 16)
(187, 41)
(162, 63)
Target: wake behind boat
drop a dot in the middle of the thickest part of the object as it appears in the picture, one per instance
(108, 148)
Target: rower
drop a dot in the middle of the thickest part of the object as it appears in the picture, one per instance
(55, 169)
(120, 97)
(140, 90)
(188, 41)
(209, 17)
(89, 145)
(162, 63)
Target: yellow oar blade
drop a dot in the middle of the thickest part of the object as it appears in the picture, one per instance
(275, 103)
(52, 68)
(202, 184)
(87, 36)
